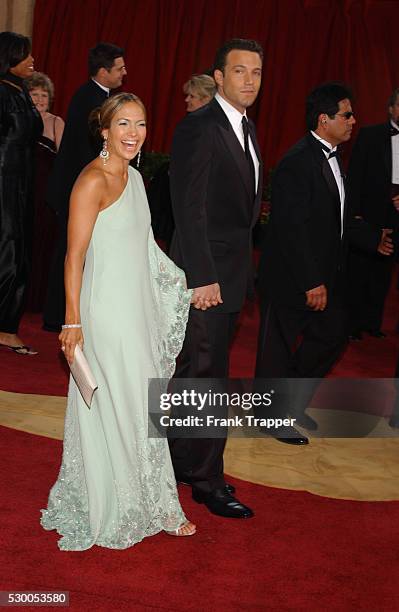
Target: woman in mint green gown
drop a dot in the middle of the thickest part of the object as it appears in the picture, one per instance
(116, 485)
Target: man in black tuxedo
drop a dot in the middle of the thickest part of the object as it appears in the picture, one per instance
(216, 180)
(302, 328)
(373, 183)
(78, 148)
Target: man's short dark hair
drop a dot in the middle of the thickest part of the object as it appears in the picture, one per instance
(325, 99)
(103, 55)
(242, 44)
(393, 97)
(13, 49)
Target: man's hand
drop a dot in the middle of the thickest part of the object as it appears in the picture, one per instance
(316, 298)
(386, 245)
(206, 297)
(395, 202)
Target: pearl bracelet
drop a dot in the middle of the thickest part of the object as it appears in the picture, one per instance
(72, 326)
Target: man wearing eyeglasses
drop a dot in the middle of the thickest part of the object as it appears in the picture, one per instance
(302, 328)
(373, 191)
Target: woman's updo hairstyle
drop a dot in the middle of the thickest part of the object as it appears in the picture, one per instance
(100, 118)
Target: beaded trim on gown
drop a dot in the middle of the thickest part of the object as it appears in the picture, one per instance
(116, 486)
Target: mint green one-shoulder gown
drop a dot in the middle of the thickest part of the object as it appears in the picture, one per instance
(116, 486)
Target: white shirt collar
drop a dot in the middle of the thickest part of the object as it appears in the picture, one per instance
(394, 125)
(234, 116)
(102, 86)
(325, 143)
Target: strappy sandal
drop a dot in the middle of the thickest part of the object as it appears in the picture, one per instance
(22, 349)
(179, 531)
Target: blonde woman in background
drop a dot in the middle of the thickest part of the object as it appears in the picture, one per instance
(199, 90)
(41, 90)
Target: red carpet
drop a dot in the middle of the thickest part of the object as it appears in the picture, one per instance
(46, 373)
(301, 552)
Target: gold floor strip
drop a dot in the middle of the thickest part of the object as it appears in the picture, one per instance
(364, 469)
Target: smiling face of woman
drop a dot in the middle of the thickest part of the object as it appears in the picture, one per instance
(127, 131)
(25, 68)
(40, 99)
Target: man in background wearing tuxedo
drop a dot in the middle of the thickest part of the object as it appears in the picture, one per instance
(78, 148)
(303, 327)
(216, 180)
(373, 188)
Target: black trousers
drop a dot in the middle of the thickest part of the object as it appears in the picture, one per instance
(298, 343)
(205, 354)
(369, 277)
(54, 305)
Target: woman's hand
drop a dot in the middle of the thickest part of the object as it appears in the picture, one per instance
(69, 338)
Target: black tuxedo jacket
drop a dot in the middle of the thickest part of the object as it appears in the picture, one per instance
(370, 177)
(212, 205)
(78, 147)
(303, 247)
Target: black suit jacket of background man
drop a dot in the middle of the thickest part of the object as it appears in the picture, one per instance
(78, 148)
(370, 176)
(304, 249)
(213, 205)
(369, 195)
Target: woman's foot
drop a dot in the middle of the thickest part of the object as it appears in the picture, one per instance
(187, 529)
(14, 342)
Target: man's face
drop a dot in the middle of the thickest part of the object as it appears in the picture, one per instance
(394, 111)
(114, 76)
(338, 128)
(241, 80)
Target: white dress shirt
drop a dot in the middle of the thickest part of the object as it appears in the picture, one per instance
(102, 86)
(235, 119)
(339, 179)
(395, 155)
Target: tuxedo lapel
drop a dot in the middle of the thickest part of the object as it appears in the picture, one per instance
(387, 151)
(327, 174)
(252, 133)
(234, 147)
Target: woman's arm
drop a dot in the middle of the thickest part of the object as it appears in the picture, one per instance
(58, 131)
(85, 203)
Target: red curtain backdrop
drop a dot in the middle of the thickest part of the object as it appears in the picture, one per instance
(306, 42)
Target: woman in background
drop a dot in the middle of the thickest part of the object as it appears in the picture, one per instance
(41, 91)
(199, 90)
(127, 302)
(20, 127)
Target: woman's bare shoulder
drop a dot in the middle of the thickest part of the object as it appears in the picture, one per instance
(91, 182)
(58, 119)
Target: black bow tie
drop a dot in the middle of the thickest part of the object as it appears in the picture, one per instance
(393, 131)
(327, 150)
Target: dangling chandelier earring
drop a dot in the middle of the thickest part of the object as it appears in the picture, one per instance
(138, 158)
(104, 153)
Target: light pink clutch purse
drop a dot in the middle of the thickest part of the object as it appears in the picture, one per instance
(83, 376)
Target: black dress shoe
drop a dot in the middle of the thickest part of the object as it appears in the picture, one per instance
(290, 435)
(376, 333)
(355, 336)
(229, 488)
(298, 441)
(221, 503)
(304, 420)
